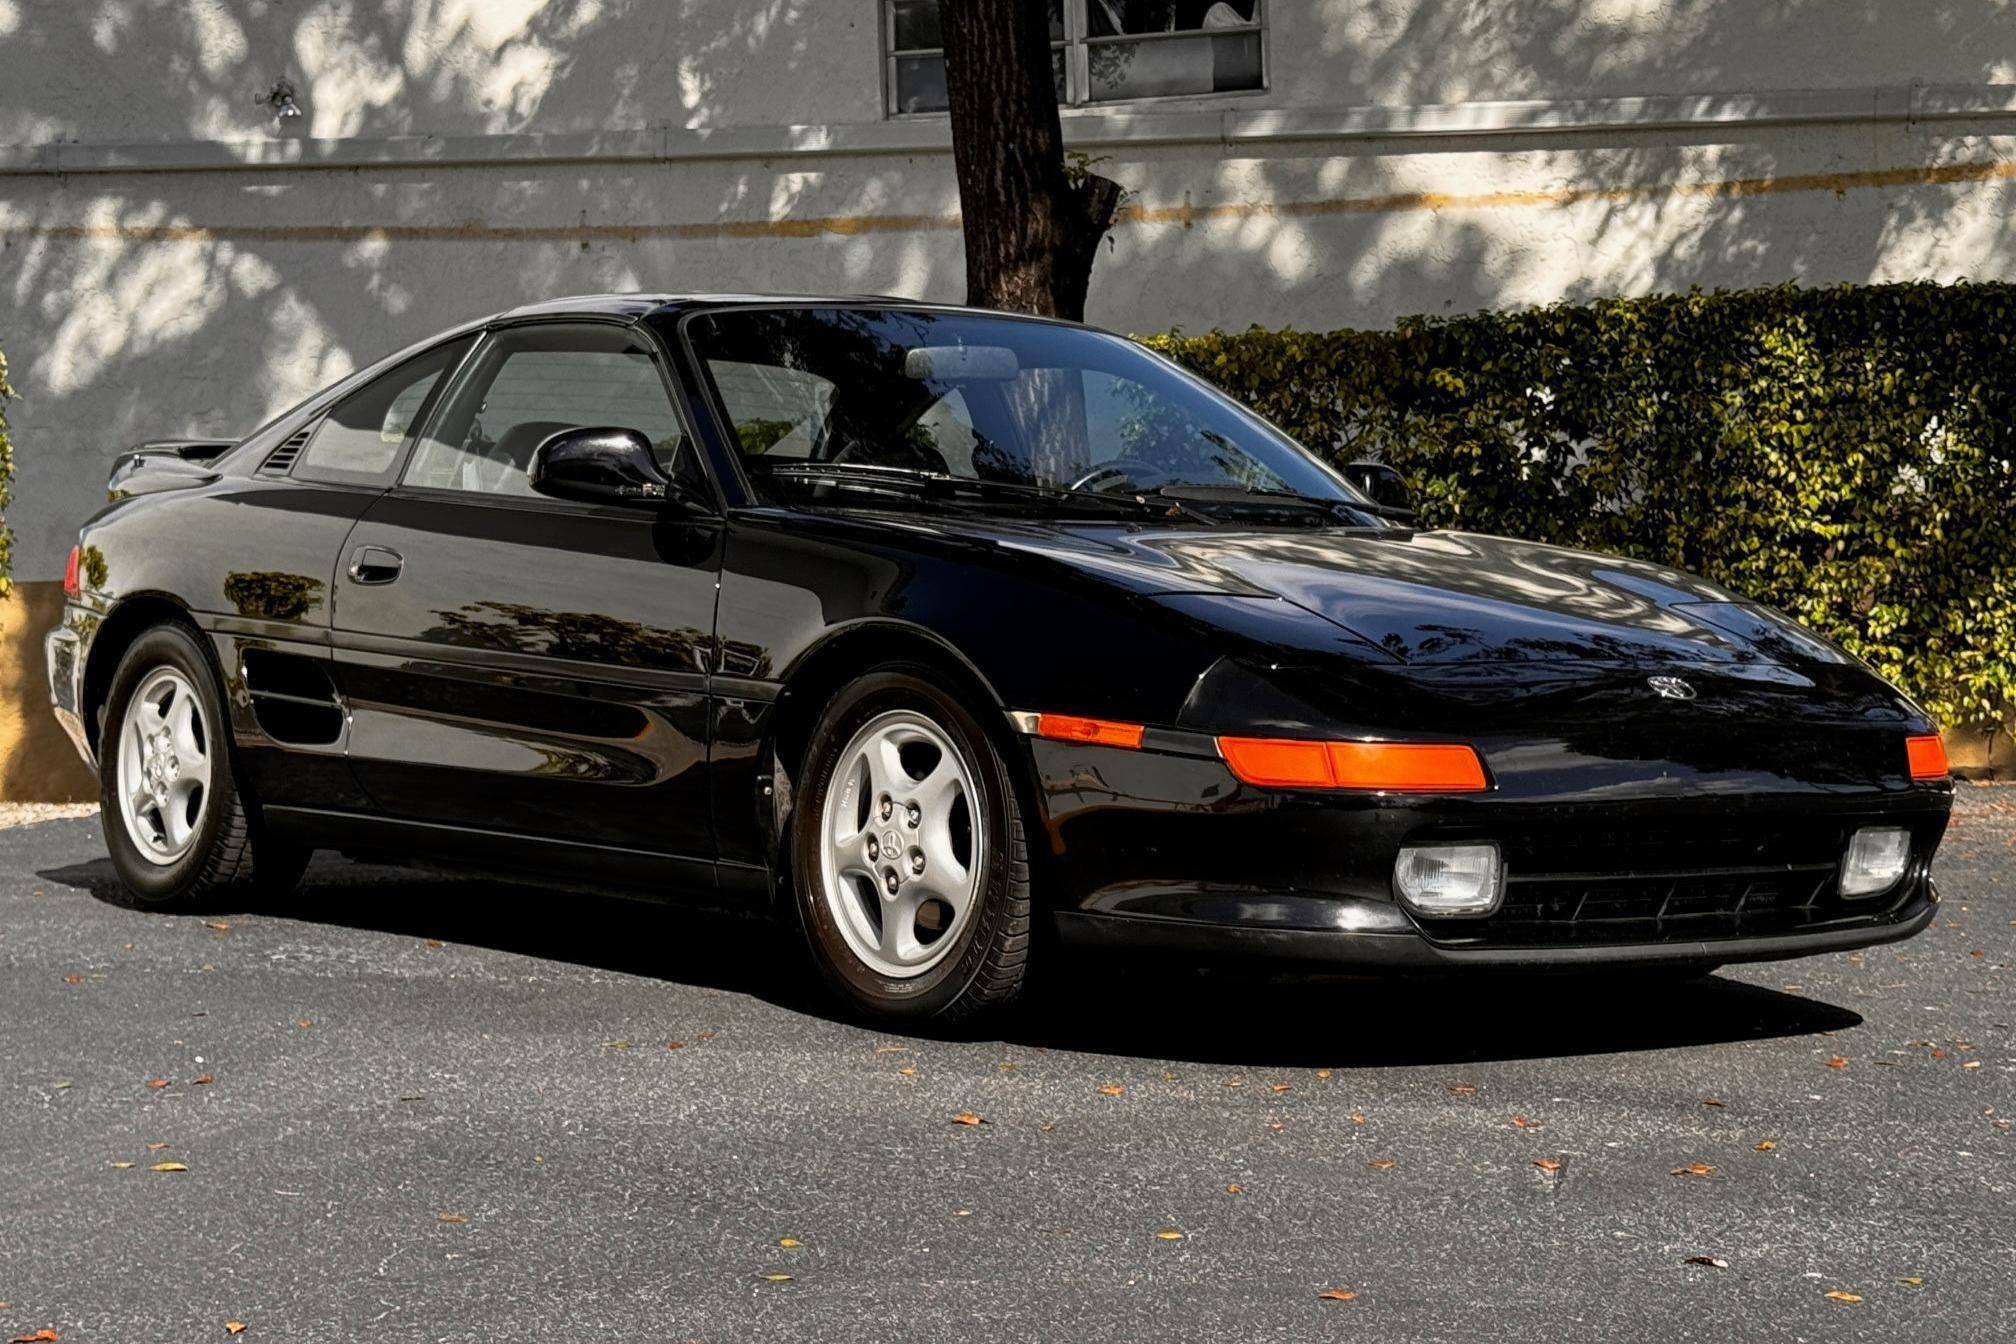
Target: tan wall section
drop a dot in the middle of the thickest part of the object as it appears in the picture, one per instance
(38, 764)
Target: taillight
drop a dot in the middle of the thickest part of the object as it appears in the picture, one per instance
(71, 587)
(1926, 757)
(1394, 767)
(1102, 732)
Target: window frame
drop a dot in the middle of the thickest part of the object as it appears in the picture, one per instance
(302, 469)
(1076, 45)
(669, 378)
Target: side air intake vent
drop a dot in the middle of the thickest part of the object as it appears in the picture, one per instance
(282, 458)
(293, 698)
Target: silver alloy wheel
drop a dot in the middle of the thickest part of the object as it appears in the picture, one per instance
(164, 766)
(901, 844)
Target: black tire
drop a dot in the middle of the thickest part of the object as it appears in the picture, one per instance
(988, 962)
(230, 857)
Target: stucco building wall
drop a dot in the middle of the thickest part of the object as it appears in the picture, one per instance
(175, 261)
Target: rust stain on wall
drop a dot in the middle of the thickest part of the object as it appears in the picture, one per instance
(1185, 215)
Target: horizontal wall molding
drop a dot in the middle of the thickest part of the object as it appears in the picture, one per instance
(1234, 131)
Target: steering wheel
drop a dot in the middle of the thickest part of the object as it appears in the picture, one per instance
(1121, 470)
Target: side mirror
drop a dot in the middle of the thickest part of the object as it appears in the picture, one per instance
(1384, 486)
(606, 465)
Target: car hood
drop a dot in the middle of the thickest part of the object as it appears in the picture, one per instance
(1430, 598)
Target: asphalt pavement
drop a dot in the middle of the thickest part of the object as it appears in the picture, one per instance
(404, 1107)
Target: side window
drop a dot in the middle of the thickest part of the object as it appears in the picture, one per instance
(358, 441)
(530, 383)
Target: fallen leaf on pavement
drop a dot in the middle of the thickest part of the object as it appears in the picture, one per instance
(789, 1243)
(708, 1035)
(1111, 1090)
(202, 1080)
(1693, 1169)
(1279, 1087)
(73, 979)
(1548, 1164)
(907, 1072)
(1524, 1122)
(1463, 1089)
(1357, 1117)
(967, 1118)
(1838, 1296)
(1766, 1145)
(778, 1278)
(1838, 1062)
(121, 1166)
(1336, 1295)
(1169, 1234)
(1381, 1164)
(234, 1327)
(1712, 1261)
(1235, 1189)
(675, 1045)
(451, 1218)
(1322, 1073)
(168, 1166)
(1913, 1279)
(156, 1147)
(218, 924)
(157, 1082)
(1971, 1064)
(39, 1337)
(1713, 1101)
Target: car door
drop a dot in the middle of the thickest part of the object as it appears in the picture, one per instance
(518, 665)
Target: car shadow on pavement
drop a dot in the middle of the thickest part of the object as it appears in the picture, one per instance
(1148, 1007)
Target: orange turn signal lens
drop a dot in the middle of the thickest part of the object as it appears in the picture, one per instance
(1102, 732)
(72, 584)
(1394, 767)
(1926, 756)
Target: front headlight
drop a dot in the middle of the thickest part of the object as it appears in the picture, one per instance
(1440, 881)
(1875, 862)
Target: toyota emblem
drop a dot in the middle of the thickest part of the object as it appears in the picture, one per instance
(1670, 688)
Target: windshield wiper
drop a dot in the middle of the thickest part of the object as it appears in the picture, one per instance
(1350, 512)
(941, 484)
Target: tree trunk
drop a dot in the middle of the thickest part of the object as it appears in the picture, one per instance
(1032, 232)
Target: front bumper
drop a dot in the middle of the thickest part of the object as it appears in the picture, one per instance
(64, 650)
(1384, 946)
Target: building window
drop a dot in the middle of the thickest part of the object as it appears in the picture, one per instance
(1104, 51)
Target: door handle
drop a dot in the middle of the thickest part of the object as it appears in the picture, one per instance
(375, 564)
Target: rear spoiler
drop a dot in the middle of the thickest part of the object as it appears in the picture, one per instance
(178, 462)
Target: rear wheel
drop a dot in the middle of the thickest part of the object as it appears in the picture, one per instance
(909, 867)
(177, 823)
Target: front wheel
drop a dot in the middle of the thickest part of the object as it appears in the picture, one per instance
(179, 828)
(909, 867)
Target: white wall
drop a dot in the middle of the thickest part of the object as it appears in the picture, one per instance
(170, 263)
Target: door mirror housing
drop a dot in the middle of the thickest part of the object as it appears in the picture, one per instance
(1384, 486)
(603, 465)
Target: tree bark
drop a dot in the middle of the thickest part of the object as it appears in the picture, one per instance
(1032, 231)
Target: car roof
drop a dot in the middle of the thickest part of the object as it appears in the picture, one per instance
(637, 305)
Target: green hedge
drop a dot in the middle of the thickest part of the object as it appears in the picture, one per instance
(6, 475)
(1843, 454)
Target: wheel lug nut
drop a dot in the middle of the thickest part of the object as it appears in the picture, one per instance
(891, 881)
(874, 850)
(886, 808)
(914, 816)
(916, 860)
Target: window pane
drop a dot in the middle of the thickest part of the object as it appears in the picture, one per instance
(920, 84)
(531, 385)
(1126, 18)
(992, 398)
(917, 25)
(1173, 65)
(359, 440)
(775, 411)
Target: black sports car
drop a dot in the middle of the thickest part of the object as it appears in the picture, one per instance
(938, 630)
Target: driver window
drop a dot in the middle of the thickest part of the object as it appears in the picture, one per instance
(529, 384)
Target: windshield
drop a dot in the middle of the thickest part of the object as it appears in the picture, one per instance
(814, 391)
